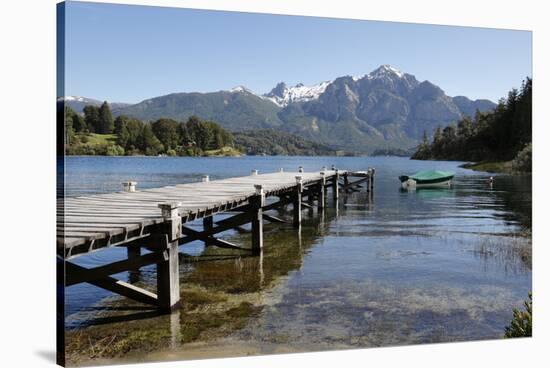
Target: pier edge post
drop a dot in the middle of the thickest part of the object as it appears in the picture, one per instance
(371, 179)
(321, 192)
(257, 202)
(133, 252)
(208, 224)
(346, 182)
(297, 203)
(168, 286)
(129, 186)
(335, 184)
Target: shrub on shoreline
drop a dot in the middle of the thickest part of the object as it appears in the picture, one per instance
(522, 322)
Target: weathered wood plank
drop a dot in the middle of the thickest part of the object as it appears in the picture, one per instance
(85, 218)
(117, 286)
(79, 275)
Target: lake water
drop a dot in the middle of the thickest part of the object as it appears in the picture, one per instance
(398, 268)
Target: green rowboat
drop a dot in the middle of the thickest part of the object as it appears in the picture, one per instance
(427, 179)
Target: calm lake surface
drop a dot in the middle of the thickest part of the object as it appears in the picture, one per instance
(403, 268)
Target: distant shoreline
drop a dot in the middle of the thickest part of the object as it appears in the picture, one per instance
(501, 167)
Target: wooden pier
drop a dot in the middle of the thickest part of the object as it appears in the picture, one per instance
(158, 220)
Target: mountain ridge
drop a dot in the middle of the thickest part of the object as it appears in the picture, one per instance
(385, 108)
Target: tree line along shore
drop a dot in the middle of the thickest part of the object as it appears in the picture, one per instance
(96, 132)
(499, 140)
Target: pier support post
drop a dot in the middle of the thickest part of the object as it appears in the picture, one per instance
(321, 192)
(208, 224)
(256, 203)
(168, 285)
(310, 200)
(133, 252)
(335, 180)
(133, 274)
(346, 182)
(371, 180)
(129, 186)
(297, 202)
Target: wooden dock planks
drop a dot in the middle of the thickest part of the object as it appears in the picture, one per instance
(119, 217)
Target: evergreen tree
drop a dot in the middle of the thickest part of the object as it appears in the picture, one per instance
(465, 127)
(437, 135)
(166, 130)
(79, 124)
(120, 121)
(500, 134)
(134, 129)
(91, 117)
(425, 141)
(69, 130)
(106, 123)
(148, 143)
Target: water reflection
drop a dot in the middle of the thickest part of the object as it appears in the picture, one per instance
(222, 290)
(378, 269)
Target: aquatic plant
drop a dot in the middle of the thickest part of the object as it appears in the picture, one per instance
(522, 322)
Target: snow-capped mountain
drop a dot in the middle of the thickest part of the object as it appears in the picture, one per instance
(385, 108)
(77, 103)
(282, 95)
(240, 89)
(86, 100)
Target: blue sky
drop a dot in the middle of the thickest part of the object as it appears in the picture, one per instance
(123, 53)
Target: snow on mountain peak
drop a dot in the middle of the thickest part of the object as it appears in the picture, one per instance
(386, 70)
(298, 93)
(282, 95)
(72, 98)
(381, 72)
(240, 89)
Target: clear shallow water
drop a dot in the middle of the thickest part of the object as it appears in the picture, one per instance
(406, 267)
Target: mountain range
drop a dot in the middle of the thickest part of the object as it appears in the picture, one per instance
(78, 103)
(385, 108)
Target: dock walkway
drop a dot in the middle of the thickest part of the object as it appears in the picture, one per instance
(155, 219)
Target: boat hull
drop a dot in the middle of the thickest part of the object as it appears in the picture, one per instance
(410, 183)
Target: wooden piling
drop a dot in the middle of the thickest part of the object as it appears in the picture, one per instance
(256, 204)
(335, 184)
(297, 203)
(371, 179)
(133, 252)
(208, 224)
(168, 279)
(168, 285)
(346, 182)
(129, 186)
(321, 192)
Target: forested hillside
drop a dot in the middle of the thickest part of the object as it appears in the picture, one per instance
(383, 109)
(97, 133)
(271, 142)
(502, 134)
